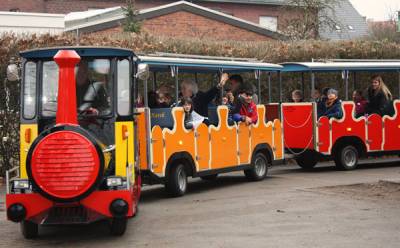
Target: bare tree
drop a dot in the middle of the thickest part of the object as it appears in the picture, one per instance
(309, 16)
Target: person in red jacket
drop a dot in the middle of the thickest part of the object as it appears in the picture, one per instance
(246, 109)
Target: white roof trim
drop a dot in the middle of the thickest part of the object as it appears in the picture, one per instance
(210, 62)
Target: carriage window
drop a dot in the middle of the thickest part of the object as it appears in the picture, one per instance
(49, 88)
(30, 90)
(123, 92)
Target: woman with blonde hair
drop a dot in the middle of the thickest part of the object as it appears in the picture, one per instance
(379, 97)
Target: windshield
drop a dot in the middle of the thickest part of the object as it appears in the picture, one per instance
(93, 87)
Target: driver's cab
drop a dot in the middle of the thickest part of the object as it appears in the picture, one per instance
(103, 88)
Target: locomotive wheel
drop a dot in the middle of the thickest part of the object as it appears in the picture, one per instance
(177, 181)
(259, 168)
(209, 177)
(118, 226)
(346, 158)
(306, 160)
(29, 229)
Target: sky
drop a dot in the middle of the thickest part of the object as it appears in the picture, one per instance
(378, 10)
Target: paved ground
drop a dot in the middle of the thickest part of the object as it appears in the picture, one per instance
(291, 208)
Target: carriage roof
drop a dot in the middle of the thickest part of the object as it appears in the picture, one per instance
(83, 51)
(328, 66)
(206, 64)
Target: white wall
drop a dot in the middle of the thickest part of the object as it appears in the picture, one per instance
(30, 23)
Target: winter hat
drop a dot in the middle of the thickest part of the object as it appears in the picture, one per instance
(333, 91)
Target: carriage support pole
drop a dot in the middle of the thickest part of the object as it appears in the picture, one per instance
(269, 88)
(312, 83)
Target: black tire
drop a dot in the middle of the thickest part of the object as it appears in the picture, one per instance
(209, 177)
(259, 167)
(29, 229)
(346, 157)
(118, 226)
(307, 160)
(177, 182)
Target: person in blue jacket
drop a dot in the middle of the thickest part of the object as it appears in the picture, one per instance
(333, 105)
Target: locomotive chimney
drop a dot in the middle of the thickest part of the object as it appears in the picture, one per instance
(66, 106)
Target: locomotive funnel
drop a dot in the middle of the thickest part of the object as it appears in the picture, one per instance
(66, 108)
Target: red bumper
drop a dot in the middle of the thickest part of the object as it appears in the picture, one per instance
(98, 201)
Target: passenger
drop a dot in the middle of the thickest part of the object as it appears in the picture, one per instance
(333, 106)
(228, 100)
(192, 119)
(360, 103)
(246, 109)
(164, 100)
(139, 103)
(201, 99)
(380, 97)
(297, 96)
(315, 95)
(236, 83)
(321, 105)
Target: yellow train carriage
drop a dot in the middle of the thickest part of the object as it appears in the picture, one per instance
(169, 153)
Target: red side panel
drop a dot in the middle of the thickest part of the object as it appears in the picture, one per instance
(375, 131)
(298, 125)
(392, 130)
(348, 125)
(324, 141)
(33, 203)
(271, 111)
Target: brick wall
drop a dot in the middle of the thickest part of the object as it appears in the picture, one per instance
(23, 5)
(187, 25)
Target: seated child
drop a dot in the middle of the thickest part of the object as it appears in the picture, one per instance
(246, 109)
(192, 119)
(333, 105)
(227, 100)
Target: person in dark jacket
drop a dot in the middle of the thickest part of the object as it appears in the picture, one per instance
(246, 110)
(321, 105)
(201, 99)
(380, 97)
(333, 106)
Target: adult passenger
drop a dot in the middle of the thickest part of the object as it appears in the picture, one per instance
(201, 99)
(236, 84)
(380, 97)
(333, 106)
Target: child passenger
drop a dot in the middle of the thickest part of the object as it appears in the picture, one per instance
(333, 106)
(360, 102)
(192, 119)
(246, 109)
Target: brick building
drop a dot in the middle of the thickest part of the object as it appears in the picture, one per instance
(267, 14)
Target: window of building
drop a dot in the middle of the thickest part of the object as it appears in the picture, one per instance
(269, 22)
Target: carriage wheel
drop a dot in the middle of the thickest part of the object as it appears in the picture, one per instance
(259, 168)
(176, 184)
(307, 160)
(118, 226)
(346, 158)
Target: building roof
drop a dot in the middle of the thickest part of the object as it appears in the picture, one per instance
(350, 24)
(114, 16)
(267, 2)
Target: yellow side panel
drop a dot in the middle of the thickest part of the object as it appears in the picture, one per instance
(179, 139)
(261, 132)
(223, 142)
(244, 143)
(24, 146)
(142, 142)
(278, 139)
(124, 148)
(157, 150)
(202, 147)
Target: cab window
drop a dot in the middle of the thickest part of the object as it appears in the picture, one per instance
(123, 91)
(29, 109)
